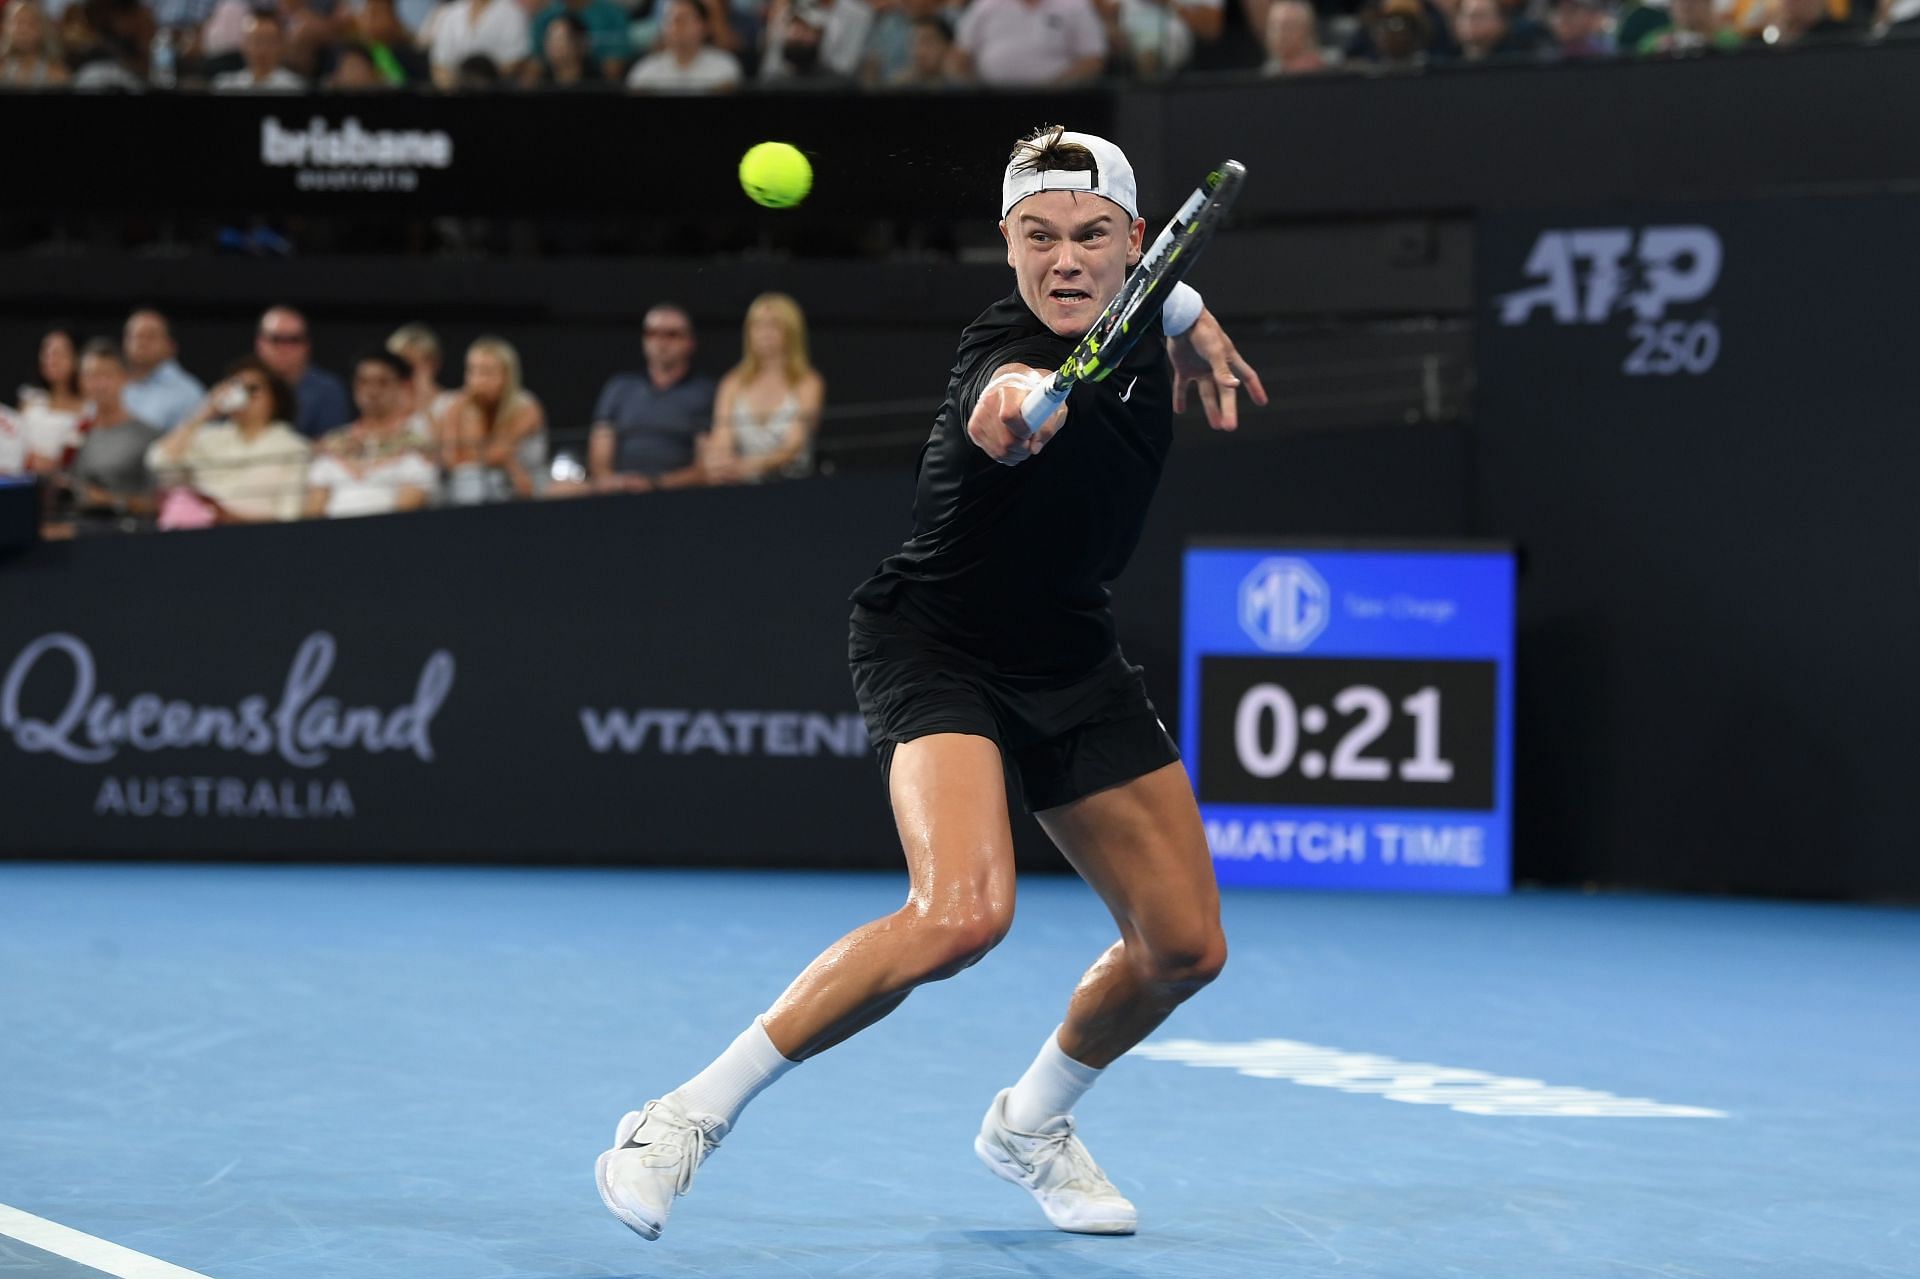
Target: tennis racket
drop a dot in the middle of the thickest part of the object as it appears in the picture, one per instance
(1126, 317)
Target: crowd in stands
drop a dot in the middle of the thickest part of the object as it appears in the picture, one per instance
(710, 46)
(122, 438)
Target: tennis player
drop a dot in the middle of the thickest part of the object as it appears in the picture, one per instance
(985, 661)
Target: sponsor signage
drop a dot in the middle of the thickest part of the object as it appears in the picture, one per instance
(1346, 714)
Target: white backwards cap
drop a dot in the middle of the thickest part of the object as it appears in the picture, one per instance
(1111, 177)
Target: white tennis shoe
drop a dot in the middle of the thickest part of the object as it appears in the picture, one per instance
(1056, 1168)
(655, 1152)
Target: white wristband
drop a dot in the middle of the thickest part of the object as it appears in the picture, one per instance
(1182, 309)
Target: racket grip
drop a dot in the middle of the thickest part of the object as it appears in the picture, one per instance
(1043, 402)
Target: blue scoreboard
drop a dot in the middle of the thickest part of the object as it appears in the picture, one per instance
(1347, 714)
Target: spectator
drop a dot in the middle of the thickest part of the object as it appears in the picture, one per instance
(1480, 29)
(354, 71)
(1396, 33)
(477, 73)
(30, 55)
(931, 52)
(285, 346)
(602, 23)
(1695, 27)
(768, 407)
(891, 37)
(419, 346)
(1029, 42)
(1802, 21)
(50, 406)
(379, 28)
(494, 29)
(1292, 40)
(237, 459)
(1155, 38)
(684, 62)
(646, 425)
(107, 41)
(495, 444)
(1900, 19)
(263, 44)
(566, 58)
(831, 36)
(108, 486)
(383, 461)
(159, 392)
(1581, 29)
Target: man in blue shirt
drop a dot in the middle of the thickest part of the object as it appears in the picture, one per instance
(284, 345)
(159, 392)
(647, 426)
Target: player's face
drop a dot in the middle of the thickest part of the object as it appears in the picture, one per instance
(1070, 253)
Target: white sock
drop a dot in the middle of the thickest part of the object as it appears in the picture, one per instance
(736, 1077)
(1049, 1089)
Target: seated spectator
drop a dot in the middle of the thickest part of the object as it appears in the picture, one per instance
(419, 346)
(159, 392)
(495, 443)
(768, 407)
(566, 58)
(1292, 40)
(262, 44)
(462, 29)
(354, 71)
(1480, 29)
(1754, 18)
(107, 486)
(685, 61)
(1695, 27)
(1029, 42)
(284, 345)
(237, 458)
(1399, 34)
(50, 406)
(378, 28)
(1155, 38)
(602, 24)
(1581, 29)
(646, 426)
(383, 461)
(1900, 19)
(833, 33)
(1798, 22)
(30, 53)
(931, 52)
(477, 73)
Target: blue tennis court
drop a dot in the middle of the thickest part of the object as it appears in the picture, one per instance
(407, 1073)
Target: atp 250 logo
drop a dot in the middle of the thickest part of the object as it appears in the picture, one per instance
(1607, 275)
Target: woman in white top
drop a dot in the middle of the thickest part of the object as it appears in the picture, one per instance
(49, 417)
(494, 441)
(768, 407)
(237, 459)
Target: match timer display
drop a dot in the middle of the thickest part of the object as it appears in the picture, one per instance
(1346, 714)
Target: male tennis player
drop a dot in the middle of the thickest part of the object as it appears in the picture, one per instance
(984, 659)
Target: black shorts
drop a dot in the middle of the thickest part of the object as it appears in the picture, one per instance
(1059, 740)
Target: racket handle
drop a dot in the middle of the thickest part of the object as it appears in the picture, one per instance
(1043, 402)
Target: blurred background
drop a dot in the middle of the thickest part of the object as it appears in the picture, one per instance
(413, 444)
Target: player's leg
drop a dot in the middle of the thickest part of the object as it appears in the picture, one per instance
(1140, 844)
(950, 805)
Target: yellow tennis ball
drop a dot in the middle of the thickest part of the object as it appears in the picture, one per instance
(776, 174)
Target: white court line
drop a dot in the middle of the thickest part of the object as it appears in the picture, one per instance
(75, 1245)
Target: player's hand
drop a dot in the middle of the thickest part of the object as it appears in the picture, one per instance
(997, 425)
(1205, 356)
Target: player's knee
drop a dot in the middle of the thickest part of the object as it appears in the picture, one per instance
(952, 941)
(1186, 963)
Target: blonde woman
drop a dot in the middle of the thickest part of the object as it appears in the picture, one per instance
(768, 407)
(30, 54)
(494, 438)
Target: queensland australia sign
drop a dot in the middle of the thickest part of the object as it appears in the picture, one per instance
(1347, 714)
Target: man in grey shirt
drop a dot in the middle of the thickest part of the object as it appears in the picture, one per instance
(109, 482)
(647, 426)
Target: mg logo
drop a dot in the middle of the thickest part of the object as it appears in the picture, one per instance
(1588, 275)
(1283, 605)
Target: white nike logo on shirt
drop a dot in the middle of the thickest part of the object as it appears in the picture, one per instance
(1128, 393)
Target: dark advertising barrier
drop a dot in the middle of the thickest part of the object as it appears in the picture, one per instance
(1698, 422)
(654, 678)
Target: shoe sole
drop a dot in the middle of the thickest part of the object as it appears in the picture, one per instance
(622, 1131)
(1005, 1169)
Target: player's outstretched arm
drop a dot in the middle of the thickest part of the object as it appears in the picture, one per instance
(996, 424)
(1205, 356)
